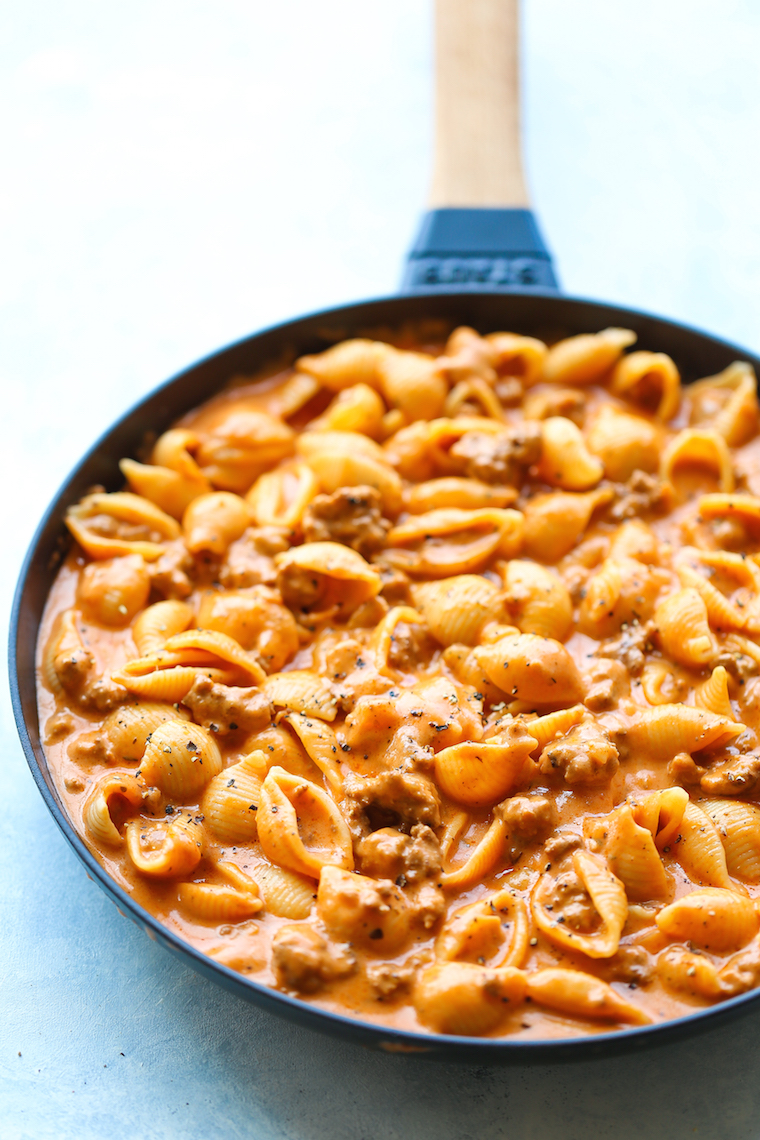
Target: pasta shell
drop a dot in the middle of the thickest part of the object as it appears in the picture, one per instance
(692, 973)
(456, 609)
(113, 590)
(565, 460)
(473, 390)
(411, 381)
(466, 999)
(244, 442)
(221, 646)
(383, 636)
(699, 447)
(620, 592)
(279, 498)
(586, 358)
(482, 859)
(180, 759)
(343, 365)
(684, 630)
(663, 732)
(336, 466)
(532, 669)
(171, 685)
(634, 539)
(282, 747)
(699, 850)
(712, 919)
(173, 484)
(321, 746)
(65, 661)
(311, 443)
(122, 506)
(300, 827)
(742, 507)
(632, 856)
(454, 491)
(165, 850)
(661, 813)
(555, 522)
(737, 418)
(129, 727)
(302, 692)
(372, 913)
(340, 576)
(537, 600)
(520, 356)
(720, 612)
(294, 394)
(452, 541)
(583, 995)
(286, 894)
(651, 380)
(738, 826)
(231, 800)
(156, 624)
(358, 408)
(712, 694)
(222, 902)
(255, 619)
(479, 774)
(213, 522)
(608, 895)
(477, 932)
(624, 443)
(545, 729)
(111, 790)
(659, 683)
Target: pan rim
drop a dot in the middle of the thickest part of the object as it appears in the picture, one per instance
(385, 1038)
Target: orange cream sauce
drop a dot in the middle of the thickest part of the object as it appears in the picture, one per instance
(246, 945)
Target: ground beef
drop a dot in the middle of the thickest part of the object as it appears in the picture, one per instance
(303, 960)
(526, 817)
(585, 756)
(250, 560)
(739, 773)
(386, 979)
(171, 576)
(394, 585)
(352, 516)
(631, 964)
(411, 647)
(390, 854)
(499, 458)
(607, 683)
(630, 647)
(561, 843)
(642, 494)
(224, 709)
(392, 799)
(567, 402)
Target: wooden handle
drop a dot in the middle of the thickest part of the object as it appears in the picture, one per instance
(477, 116)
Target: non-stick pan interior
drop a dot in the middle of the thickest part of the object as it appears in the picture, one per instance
(547, 316)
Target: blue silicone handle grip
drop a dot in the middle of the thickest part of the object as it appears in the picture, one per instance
(479, 249)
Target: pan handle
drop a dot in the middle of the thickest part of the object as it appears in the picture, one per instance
(480, 232)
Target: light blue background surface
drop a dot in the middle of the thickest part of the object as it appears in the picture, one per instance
(173, 175)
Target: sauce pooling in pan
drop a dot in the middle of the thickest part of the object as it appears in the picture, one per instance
(422, 681)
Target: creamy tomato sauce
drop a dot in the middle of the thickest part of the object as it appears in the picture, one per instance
(421, 681)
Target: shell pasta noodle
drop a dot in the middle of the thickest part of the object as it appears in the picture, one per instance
(420, 680)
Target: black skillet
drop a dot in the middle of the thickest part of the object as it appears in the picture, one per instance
(484, 266)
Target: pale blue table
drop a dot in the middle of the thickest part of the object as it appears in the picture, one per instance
(172, 176)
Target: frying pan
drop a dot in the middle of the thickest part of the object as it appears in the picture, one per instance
(479, 260)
